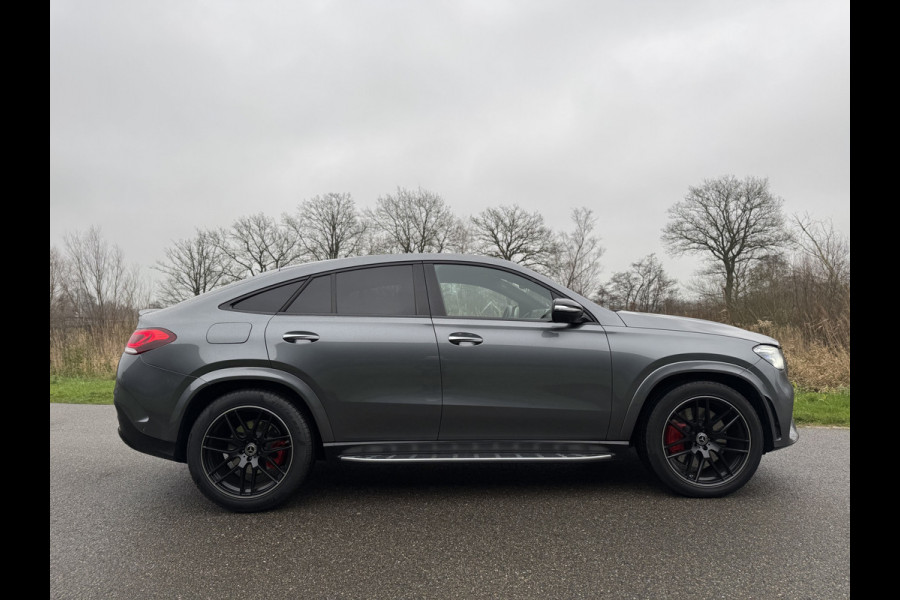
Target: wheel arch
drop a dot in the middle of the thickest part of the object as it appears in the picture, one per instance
(667, 378)
(214, 385)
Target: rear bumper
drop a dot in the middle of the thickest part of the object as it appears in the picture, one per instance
(141, 442)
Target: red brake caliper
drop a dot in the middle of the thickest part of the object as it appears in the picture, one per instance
(278, 457)
(673, 434)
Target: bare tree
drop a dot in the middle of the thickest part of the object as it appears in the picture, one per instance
(644, 288)
(733, 223)
(576, 258)
(829, 250)
(328, 226)
(462, 237)
(59, 279)
(193, 266)
(256, 244)
(412, 221)
(513, 234)
(820, 282)
(101, 286)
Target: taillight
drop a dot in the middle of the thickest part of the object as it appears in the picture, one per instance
(148, 339)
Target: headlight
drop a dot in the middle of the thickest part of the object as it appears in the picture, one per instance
(772, 354)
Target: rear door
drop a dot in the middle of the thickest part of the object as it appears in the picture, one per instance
(362, 339)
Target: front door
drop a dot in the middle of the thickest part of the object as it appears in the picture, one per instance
(507, 371)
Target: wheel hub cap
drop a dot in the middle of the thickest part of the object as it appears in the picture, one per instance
(703, 445)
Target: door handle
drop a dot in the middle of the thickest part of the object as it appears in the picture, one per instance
(295, 337)
(461, 338)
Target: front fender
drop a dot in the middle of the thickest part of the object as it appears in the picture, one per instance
(695, 369)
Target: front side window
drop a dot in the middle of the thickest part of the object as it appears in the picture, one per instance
(384, 291)
(482, 292)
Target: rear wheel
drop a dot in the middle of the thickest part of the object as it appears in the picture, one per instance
(249, 450)
(703, 439)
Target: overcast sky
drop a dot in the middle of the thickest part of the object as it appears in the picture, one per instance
(167, 116)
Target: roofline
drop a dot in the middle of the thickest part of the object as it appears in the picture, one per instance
(283, 274)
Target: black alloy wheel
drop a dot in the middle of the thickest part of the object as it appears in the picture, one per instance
(249, 450)
(703, 439)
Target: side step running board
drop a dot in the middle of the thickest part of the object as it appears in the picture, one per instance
(474, 457)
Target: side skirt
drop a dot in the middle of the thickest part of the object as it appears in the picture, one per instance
(493, 451)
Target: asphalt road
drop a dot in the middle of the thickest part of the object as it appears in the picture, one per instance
(126, 525)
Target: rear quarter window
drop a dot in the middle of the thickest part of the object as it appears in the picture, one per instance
(270, 300)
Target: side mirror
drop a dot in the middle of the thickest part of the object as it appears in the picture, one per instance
(566, 311)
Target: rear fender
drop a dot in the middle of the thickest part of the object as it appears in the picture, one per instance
(257, 374)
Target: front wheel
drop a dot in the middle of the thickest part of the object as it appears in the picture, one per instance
(249, 450)
(703, 439)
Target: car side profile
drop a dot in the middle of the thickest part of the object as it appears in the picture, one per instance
(440, 358)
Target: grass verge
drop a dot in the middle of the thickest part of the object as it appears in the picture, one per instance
(826, 408)
(822, 408)
(81, 390)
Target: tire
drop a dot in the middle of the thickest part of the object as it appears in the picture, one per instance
(249, 450)
(702, 439)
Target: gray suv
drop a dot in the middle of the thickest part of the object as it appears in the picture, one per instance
(431, 358)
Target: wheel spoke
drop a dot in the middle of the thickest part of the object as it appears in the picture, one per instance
(246, 429)
(730, 438)
(253, 474)
(206, 446)
(681, 427)
(263, 428)
(735, 450)
(277, 468)
(283, 444)
(218, 439)
(684, 465)
(229, 458)
(732, 422)
(269, 475)
(721, 463)
(676, 443)
(725, 416)
(257, 422)
(680, 453)
(700, 468)
(243, 479)
(234, 432)
(694, 411)
(689, 465)
(226, 474)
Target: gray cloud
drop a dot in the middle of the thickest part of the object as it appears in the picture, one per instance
(168, 116)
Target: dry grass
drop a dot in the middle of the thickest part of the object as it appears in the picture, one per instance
(88, 352)
(812, 364)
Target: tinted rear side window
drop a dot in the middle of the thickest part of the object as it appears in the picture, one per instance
(384, 291)
(270, 300)
(315, 299)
